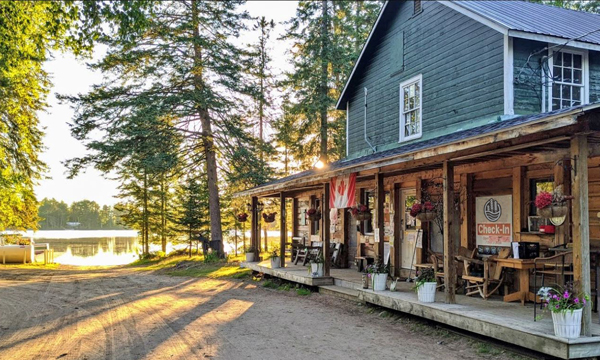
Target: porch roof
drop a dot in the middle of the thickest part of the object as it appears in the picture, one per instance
(494, 132)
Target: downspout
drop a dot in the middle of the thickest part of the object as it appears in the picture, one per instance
(365, 126)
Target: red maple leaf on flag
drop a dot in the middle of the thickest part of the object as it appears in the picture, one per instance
(342, 188)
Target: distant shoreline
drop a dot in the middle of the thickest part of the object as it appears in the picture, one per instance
(79, 234)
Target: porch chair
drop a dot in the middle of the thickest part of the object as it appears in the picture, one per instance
(559, 266)
(478, 283)
(437, 263)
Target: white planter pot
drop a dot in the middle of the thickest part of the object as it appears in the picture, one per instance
(249, 257)
(379, 281)
(567, 324)
(316, 270)
(426, 292)
(275, 263)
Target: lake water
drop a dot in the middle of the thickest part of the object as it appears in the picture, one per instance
(94, 247)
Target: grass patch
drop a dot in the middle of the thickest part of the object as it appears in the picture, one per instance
(270, 284)
(285, 287)
(483, 348)
(303, 292)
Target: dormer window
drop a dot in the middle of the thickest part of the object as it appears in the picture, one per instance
(410, 109)
(569, 79)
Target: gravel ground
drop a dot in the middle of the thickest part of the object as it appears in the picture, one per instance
(121, 313)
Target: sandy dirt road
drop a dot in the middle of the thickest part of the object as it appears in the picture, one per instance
(125, 314)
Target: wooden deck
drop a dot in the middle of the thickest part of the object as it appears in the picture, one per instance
(508, 322)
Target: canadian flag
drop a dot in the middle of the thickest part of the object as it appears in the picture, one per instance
(342, 191)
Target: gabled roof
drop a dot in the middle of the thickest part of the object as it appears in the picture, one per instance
(404, 153)
(520, 19)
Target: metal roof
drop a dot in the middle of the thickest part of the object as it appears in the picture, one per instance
(539, 19)
(349, 165)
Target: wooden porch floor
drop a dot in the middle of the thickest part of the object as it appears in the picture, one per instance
(508, 322)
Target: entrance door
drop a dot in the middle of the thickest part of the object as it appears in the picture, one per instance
(408, 228)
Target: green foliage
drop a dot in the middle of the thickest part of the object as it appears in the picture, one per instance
(424, 275)
(303, 292)
(211, 257)
(54, 215)
(270, 284)
(592, 6)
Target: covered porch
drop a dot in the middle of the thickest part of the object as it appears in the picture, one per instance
(504, 160)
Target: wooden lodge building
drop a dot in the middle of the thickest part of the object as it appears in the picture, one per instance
(459, 103)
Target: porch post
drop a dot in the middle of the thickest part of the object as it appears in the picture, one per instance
(466, 211)
(449, 233)
(581, 221)
(282, 229)
(294, 216)
(253, 226)
(380, 224)
(518, 185)
(325, 230)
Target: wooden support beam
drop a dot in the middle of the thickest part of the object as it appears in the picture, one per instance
(449, 233)
(282, 229)
(466, 211)
(254, 231)
(398, 214)
(518, 199)
(581, 221)
(425, 233)
(325, 231)
(380, 224)
(295, 217)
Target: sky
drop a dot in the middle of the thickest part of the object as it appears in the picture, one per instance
(71, 76)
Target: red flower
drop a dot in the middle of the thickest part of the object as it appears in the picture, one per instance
(362, 208)
(311, 211)
(543, 199)
(415, 209)
(428, 206)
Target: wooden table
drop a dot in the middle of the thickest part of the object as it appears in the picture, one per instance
(522, 266)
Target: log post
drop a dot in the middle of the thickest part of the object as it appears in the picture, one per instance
(282, 229)
(466, 211)
(425, 233)
(563, 177)
(449, 233)
(518, 187)
(254, 242)
(325, 231)
(581, 221)
(380, 224)
(295, 217)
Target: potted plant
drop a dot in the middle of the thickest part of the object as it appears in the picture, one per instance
(361, 212)
(274, 256)
(551, 205)
(378, 273)
(269, 217)
(566, 307)
(313, 214)
(425, 285)
(250, 253)
(242, 217)
(316, 266)
(423, 212)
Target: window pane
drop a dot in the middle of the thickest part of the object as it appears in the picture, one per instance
(417, 121)
(556, 73)
(566, 103)
(566, 92)
(558, 58)
(411, 89)
(555, 104)
(556, 90)
(567, 75)
(567, 59)
(405, 99)
(576, 93)
(411, 103)
(577, 61)
(577, 78)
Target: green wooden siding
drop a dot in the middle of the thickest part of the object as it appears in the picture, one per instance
(461, 62)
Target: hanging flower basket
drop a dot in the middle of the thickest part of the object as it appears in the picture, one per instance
(269, 218)
(423, 212)
(313, 214)
(242, 217)
(552, 205)
(361, 212)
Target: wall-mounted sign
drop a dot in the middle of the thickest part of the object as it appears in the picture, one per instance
(493, 218)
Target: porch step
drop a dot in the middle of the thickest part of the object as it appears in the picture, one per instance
(341, 292)
(347, 284)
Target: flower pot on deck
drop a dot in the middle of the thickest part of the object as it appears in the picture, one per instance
(275, 263)
(316, 269)
(250, 257)
(426, 292)
(567, 324)
(379, 281)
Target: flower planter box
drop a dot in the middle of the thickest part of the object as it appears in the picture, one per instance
(567, 324)
(426, 216)
(315, 217)
(316, 269)
(379, 281)
(275, 263)
(426, 292)
(250, 257)
(553, 211)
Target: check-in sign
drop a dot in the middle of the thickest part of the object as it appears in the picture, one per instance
(494, 220)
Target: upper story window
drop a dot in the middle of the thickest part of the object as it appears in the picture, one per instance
(569, 79)
(410, 109)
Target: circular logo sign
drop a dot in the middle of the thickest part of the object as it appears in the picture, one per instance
(492, 210)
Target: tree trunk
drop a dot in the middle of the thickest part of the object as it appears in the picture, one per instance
(190, 236)
(145, 216)
(323, 80)
(207, 137)
(266, 238)
(163, 215)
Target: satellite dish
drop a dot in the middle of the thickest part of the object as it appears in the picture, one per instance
(558, 221)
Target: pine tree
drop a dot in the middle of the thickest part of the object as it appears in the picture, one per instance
(192, 199)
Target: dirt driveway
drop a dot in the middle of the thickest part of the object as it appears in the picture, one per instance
(126, 314)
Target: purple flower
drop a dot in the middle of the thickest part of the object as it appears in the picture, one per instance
(555, 297)
(557, 307)
(584, 301)
(566, 295)
(576, 300)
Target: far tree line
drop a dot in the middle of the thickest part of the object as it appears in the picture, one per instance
(88, 215)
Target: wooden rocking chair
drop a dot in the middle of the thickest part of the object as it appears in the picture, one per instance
(481, 283)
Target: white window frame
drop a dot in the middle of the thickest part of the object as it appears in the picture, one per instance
(584, 67)
(419, 79)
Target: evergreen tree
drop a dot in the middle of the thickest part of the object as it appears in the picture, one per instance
(192, 198)
(592, 6)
